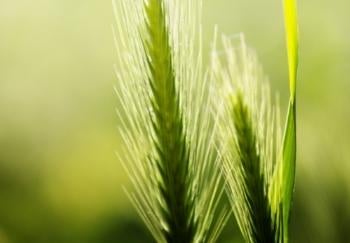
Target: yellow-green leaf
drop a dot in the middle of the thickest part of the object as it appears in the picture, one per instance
(289, 138)
(291, 26)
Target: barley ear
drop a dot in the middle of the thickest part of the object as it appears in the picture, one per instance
(167, 124)
(249, 129)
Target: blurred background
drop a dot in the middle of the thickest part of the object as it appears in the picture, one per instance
(60, 180)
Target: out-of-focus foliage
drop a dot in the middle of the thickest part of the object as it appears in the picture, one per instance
(60, 180)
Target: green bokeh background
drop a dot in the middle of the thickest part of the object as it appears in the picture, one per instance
(60, 180)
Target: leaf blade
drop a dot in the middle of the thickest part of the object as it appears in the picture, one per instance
(289, 148)
(292, 39)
